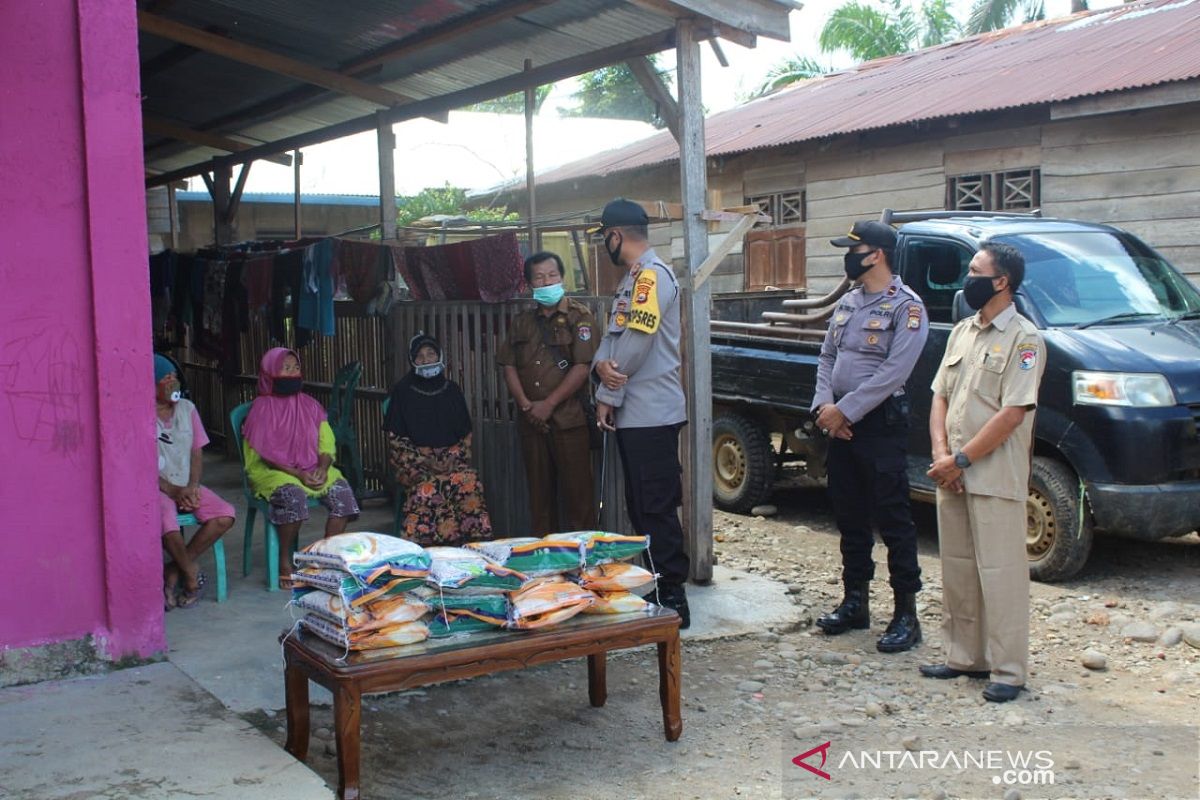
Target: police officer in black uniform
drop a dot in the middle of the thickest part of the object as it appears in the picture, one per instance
(874, 339)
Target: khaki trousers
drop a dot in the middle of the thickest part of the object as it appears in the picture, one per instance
(558, 469)
(985, 584)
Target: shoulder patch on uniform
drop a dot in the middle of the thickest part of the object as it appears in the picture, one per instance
(914, 316)
(584, 332)
(644, 315)
(1027, 355)
(892, 291)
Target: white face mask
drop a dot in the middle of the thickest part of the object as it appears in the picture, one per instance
(429, 370)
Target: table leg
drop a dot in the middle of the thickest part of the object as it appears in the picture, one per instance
(347, 718)
(669, 669)
(295, 685)
(598, 679)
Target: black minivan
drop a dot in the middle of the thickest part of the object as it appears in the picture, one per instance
(1116, 447)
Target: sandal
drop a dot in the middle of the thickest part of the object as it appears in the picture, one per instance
(188, 599)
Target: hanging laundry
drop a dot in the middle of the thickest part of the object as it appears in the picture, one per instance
(286, 277)
(316, 291)
(256, 278)
(362, 265)
(412, 279)
(488, 269)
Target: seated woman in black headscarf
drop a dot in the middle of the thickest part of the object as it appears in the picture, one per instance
(429, 440)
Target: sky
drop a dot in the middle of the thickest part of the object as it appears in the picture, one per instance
(478, 151)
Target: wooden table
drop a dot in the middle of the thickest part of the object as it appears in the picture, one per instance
(393, 669)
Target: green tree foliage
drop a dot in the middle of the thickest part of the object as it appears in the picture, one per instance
(448, 200)
(512, 103)
(869, 30)
(614, 93)
(992, 15)
(788, 72)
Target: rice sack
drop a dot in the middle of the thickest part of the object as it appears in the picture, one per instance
(458, 568)
(531, 556)
(600, 547)
(615, 577)
(546, 601)
(376, 615)
(370, 557)
(348, 589)
(391, 636)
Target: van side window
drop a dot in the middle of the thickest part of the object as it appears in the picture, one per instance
(935, 270)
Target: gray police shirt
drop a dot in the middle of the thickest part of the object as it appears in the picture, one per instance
(870, 349)
(642, 336)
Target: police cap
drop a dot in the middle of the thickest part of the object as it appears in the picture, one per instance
(870, 232)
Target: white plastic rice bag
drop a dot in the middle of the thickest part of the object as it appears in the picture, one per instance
(458, 568)
(370, 557)
(615, 577)
(546, 601)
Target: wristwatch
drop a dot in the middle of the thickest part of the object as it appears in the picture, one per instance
(961, 461)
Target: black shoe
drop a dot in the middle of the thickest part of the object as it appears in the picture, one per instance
(945, 673)
(674, 597)
(1001, 692)
(904, 631)
(853, 613)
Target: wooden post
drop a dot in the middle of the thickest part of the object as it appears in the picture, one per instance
(297, 160)
(697, 490)
(222, 229)
(173, 215)
(387, 178)
(535, 241)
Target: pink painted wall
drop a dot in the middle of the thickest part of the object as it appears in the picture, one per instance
(79, 549)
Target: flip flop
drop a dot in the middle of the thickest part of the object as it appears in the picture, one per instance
(190, 599)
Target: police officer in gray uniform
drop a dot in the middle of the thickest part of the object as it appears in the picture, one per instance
(640, 395)
(874, 339)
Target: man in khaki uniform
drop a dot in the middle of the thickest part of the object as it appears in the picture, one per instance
(981, 429)
(546, 359)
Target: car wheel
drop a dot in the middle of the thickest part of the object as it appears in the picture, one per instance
(743, 467)
(1057, 540)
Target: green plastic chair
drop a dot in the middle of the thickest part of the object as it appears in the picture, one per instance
(218, 554)
(398, 504)
(341, 419)
(256, 504)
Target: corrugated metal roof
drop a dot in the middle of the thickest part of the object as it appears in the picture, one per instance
(286, 198)
(1132, 46)
(485, 41)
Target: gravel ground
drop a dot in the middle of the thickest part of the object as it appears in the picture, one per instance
(1115, 677)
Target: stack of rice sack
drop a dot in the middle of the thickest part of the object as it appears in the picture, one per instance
(353, 590)
(616, 585)
(466, 591)
(570, 573)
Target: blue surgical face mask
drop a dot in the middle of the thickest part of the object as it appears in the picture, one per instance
(429, 370)
(548, 295)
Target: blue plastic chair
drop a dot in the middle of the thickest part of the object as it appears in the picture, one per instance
(256, 504)
(218, 554)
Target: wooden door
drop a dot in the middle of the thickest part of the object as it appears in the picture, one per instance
(774, 257)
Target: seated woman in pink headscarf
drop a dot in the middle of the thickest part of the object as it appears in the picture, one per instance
(289, 449)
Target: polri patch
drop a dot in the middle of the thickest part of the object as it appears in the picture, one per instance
(1027, 356)
(914, 317)
(584, 332)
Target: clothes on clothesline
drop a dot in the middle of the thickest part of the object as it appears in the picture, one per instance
(489, 269)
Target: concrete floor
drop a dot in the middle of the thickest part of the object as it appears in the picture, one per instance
(173, 729)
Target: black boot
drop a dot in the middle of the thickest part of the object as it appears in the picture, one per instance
(904, 631)
(674, 596)
(854, 612)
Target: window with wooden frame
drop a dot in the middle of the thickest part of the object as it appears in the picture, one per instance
(1011, 190)
(784, 208)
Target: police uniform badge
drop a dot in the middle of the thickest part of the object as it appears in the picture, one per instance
(619, 319)
(914, 317)
(584, 332)
(873, 339)
(644, 315)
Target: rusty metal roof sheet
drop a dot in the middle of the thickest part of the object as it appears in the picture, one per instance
(1131, 46)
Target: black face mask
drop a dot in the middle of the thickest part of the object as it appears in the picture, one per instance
(853, 264)
(978, 289)
(288, 386)
(615, 255)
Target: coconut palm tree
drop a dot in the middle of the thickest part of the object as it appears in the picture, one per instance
(991, 15)
(869, 30)
(788, 72)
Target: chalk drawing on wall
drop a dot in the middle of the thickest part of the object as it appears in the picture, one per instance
(42, 380)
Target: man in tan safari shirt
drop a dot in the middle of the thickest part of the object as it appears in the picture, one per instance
(980, 428)
(546, 360)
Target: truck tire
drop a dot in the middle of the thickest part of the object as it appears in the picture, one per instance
(743, 467)
(1056, 542)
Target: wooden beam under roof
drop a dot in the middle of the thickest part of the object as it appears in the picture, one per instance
(439, 34)
(756, 17)
(549, 73)
(267, 60)
(173, 130)
(676, 11)
(652, 84)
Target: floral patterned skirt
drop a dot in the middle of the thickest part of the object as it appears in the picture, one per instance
(446, 509)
